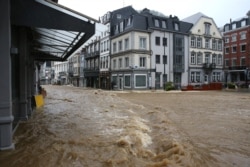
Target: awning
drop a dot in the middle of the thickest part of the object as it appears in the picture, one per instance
(56, 31)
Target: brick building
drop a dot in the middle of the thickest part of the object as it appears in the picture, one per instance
(237, 51)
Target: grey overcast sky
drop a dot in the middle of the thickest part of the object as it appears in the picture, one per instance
(220, 10)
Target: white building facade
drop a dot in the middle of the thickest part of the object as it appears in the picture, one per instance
(61, 72)
(206, 51)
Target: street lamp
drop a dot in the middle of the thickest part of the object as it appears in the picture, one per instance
(246, 75)
(133, 82)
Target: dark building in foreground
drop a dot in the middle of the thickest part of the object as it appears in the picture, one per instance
(32, 32)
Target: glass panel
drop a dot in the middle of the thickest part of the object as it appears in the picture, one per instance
(140, 80)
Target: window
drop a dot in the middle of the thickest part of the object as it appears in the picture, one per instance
(178, 59)
(216, 77)
(116, 29)
(157, 41)
(220, 45)
(195, 76)
(107, 64)
(142, 61)
(242, 61)
(243, 47)
(207, 28)
(126, 61)
(205, 78)
(120, 45)
(128, 21)
(214, 57)
(127, 81)
(226, 50)
(234, 49)
(104, 46)
(157, 24)
(114, 64)
(243, 35)
(207, 57)
(234, 62)
(243, 23)
(199, 42)
(108, 44)
(114, 47)
(234, 26)
(199, 58)
(179, 44)
(193, 58)
(207, 43)
(227, 28)
(193, 42)
(164, 25)
(198, 77)
(118, 16)
(141, 80)
(226, 39)
(214, 44)
(192, 77)
(234, 37)
(219, 61)
(101, 46)
(120, 63)
(165, 60)
(226, 63)
(176, 26)
(114, 79)
(126, 44)
(157, 59)
(143, 43)
(121, 26)
(164, 41)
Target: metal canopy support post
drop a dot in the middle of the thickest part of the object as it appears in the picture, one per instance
(6, 117)
(23, 74)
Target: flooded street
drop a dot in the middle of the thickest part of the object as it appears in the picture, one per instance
(94, 128)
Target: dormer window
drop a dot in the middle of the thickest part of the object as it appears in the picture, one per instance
(116, 29)
(118, 16)
(207, 28)
(121, 26)
(243, 23)
(176, 26)
(157, 24)
(128, 21)
(226, 28)
(234, 26)
(164, 25)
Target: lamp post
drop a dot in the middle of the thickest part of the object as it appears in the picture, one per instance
(246, 75)
(133, 80)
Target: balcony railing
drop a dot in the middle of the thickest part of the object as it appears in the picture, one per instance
(237, 68)
(209, 66)
(92, 54)
(89, 69)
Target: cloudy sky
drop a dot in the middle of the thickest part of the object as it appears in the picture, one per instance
(220, 10)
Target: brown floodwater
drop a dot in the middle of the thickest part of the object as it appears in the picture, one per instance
(95, 128)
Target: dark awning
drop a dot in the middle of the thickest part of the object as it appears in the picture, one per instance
(56, 31)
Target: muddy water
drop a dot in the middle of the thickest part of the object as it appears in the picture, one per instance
(79, 127)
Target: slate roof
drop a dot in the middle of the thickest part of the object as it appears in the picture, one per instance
(124, 12)
(145, 21)
(194, 18)
(184, 27)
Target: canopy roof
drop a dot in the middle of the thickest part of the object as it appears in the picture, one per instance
(56, 31)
